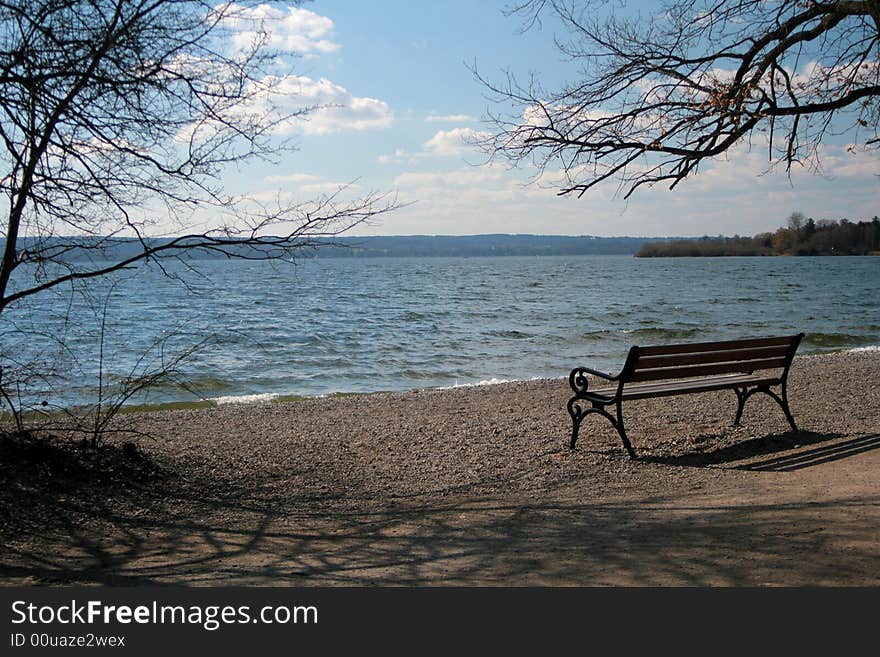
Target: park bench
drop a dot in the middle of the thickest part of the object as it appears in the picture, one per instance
(744, 366)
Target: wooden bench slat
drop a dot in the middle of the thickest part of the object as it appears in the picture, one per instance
(705, 370)
(695, 347)
(721, 356)
(647, 391)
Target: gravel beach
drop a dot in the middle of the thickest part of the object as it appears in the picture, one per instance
(476, 486)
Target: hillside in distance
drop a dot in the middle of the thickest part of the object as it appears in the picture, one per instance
(478, 245)
(96, 249)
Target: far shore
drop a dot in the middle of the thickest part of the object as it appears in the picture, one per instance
(471, 486)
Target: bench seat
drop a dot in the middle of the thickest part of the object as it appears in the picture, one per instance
(648, 390)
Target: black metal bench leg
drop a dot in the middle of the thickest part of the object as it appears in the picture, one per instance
(577, 415)
(787, 410)
(783, 403)
(622, 431)
(741, 396)
(576, 418)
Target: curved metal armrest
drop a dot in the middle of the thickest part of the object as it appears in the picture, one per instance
(604, 375)
(578, 378)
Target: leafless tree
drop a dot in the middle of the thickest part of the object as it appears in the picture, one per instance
(659, 94)
(118, 119)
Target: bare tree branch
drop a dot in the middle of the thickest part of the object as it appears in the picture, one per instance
(659, 95)
(118, 118)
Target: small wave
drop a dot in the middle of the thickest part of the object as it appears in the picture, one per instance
(413, 316)
(596, 335)
(245, 399)
(512, 335)
(834, 339)
(648, 332)
(418, 374)
(198, 382)
(857, 350)
(662, 333)
(488, 382)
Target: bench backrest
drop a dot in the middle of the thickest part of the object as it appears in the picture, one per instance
(681, 361)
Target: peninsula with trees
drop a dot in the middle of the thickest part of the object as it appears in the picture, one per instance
(800, 236)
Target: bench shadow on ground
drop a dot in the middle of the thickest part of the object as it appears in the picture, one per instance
(822, 448)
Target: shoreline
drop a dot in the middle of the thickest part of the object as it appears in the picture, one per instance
(249, 399)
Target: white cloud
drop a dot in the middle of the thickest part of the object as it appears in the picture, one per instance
(336, 108)
(445, 143)
(450, 118)
(339, 108)
(330, 187)
(295, 178)
(307, 183)
(850, 161)
(289, 29)
(725, 197)
(439, 181)
(474, 199)
(748, 171)
(292, 29)
(456, 141)
(399, 155)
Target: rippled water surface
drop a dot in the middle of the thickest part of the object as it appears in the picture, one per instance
(349, 325)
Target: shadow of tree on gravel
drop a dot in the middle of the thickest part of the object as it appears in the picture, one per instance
(659, 541)
(143, 526)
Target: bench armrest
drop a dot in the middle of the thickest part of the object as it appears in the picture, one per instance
(578, 378)
(604, 375)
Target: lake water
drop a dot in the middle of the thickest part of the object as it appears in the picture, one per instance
(357, 325)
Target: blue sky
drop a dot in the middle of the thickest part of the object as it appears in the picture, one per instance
(399, 72)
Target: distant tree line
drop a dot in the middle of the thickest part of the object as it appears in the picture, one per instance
(800, 236)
